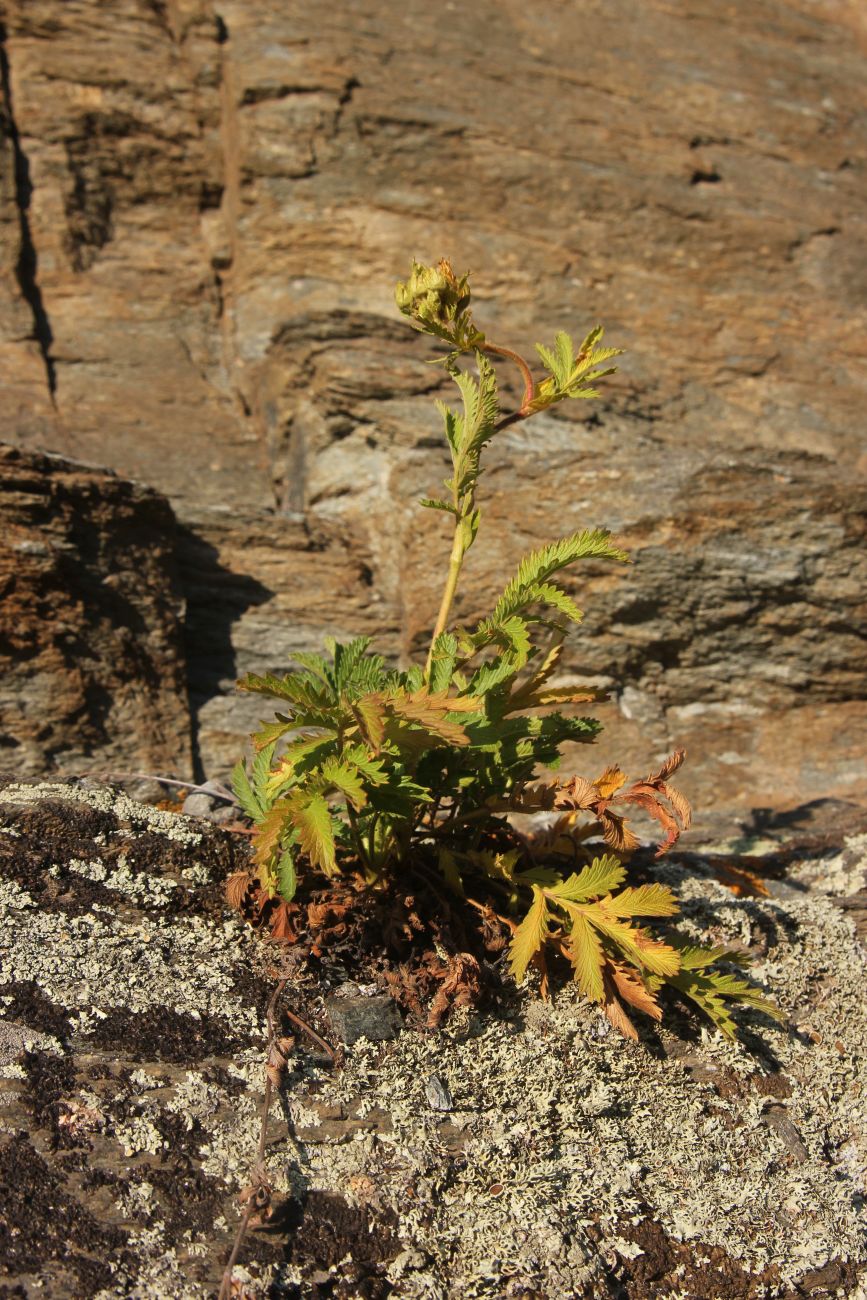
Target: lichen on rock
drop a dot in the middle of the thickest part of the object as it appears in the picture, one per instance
(571, 1163)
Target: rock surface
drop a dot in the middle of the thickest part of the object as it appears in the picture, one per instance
(205, 205)
(568, 1162)
(92, 664)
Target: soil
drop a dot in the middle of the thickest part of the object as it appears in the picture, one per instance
(126, 1135)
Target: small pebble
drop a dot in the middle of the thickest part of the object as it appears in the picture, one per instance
(436, 1090)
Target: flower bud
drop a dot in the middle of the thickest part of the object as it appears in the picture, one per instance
(438, 302)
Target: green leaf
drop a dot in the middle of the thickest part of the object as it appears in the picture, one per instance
(400, 798)
(443, 659)
(602, 876)
(370, 768)
(490, 675)
(448, 865)
(480, 405)
(292, 763)
(272, 731)
(548, 594)
(436, 503)
(516, 634)
(345, 778)
(311, 818)
(536, 568)
(529, 936)
(369, 713)
(569, 375)
(413, 679)
(287, 880)
(316, 665)
(452, 422)
(244, 791)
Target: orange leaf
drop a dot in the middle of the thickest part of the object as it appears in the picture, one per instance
(633, 989)
(611, 780)
(616, 833)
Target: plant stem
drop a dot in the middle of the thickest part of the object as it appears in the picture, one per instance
(357, 841)
(522, 366)
(455, 561)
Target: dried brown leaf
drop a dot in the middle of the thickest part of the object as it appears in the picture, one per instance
(632, 989)
(236, 888)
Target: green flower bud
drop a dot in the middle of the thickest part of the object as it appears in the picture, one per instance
(438, 302)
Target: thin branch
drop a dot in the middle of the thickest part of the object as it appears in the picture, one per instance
(303, 1025)
(261, 1190)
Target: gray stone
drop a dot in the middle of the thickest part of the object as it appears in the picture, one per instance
(376, 1018)
(15, 1039)
(438, 1093)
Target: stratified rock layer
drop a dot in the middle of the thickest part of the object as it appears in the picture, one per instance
(92, 667)
(204, 208)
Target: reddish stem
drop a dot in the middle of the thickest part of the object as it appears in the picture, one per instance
(524, 369)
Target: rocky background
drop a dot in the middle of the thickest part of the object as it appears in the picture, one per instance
(203, 210)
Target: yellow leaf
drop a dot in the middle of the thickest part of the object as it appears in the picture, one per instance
(530, 935)
(610, 782)
(645, 900)
(585, 953)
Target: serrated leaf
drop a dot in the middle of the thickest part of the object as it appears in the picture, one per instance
(344, 777)
(697, 957)
(267, 835)
(529, 936)
(490, 675)
(369, 714)
(428, 712)
(370, 768)
(317, 665)
(558, 695)
(399, 798)
(311, 819)
(500, 866)
(538, 566)
(272, 731)
(443, 659)
(601, 877)
(548, 594)
(287, 768)
(287, 880)
(244, 791)
(654, 955)
(516, 634)
(645, 900)
(611, 780)
(451, 425)
(436, 503)
(584, 951)
(633, 989)
(448, 865)
(353, 664)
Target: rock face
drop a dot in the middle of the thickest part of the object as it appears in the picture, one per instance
(523, 1150)
(204, 209)
(92, 667)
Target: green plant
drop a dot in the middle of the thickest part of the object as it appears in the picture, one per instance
(385, 770)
